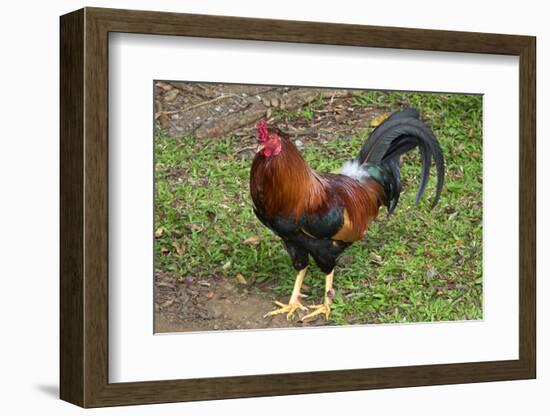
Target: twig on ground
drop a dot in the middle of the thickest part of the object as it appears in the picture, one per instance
(221, 97)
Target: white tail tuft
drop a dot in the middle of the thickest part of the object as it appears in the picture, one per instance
(354, 169)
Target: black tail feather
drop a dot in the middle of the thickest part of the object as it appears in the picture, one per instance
(397, 135)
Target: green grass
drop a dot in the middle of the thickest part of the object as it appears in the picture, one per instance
(418, 265)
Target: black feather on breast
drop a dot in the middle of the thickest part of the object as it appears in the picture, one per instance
(283, 227)
(309, 236)
(317, 226)
(325, 225)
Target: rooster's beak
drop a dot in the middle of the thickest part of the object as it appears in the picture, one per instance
(260, 148)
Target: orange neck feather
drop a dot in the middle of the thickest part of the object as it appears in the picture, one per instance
(285, 183)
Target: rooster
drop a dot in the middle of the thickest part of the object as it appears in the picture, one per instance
(321, 214)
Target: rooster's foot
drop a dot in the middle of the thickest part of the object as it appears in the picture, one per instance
(289, 308)
(319, 310)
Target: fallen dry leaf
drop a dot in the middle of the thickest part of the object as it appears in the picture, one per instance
(241, 279)
(196, 228)
(227, 265)
(171, 95)
(254, 240)
(167, 303)
(180, 248)
(378, 120)
(159, 232)
(375, 258)
(164, 119)
(164, 86)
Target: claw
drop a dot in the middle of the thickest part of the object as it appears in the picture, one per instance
(289, 309)
(294, 302)
(319, 309)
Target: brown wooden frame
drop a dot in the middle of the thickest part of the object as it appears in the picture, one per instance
(84, 207)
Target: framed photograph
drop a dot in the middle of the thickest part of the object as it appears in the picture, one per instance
(255, 207)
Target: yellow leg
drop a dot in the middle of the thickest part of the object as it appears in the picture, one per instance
(324, 308)
(294, 302)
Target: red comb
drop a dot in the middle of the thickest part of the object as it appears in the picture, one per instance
(262, 130)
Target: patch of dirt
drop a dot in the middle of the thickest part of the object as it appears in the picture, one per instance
(215, 304)
(214, 110)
